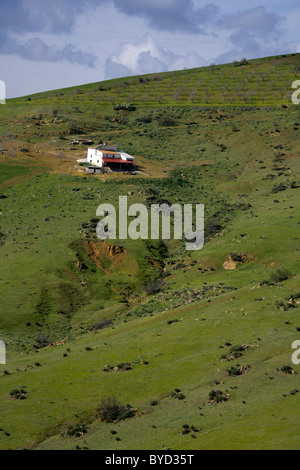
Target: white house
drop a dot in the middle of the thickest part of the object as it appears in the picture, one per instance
(108, 156)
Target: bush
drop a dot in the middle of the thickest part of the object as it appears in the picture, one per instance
(233, 371)
(166, 121)
(124, 107)
(217, 396)
(279, 275)
(42, 340)
(154, 286)
(145, 119)
(236, 257)
(279, 187)
(287, 369)
(213, 226)
(18, 394)
(77, 430)
(101, 324)
(177, 394)
(111, 410)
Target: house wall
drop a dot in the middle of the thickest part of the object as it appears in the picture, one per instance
(94, 157)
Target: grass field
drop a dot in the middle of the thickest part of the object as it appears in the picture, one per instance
(187, 323)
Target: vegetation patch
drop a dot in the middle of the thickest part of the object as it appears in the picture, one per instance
(111, 410)
(76, 430)
(234, 352)
(238, 370)
(18, 394)
(217, 396)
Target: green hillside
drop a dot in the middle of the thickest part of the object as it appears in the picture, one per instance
(199, 344)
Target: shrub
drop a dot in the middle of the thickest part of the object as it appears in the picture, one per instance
(236, 257)
(18, 394)
(170, 322)
(146, 119)
(185, 431)
(238, 370)
(77, 430)
(74, 128)
(180, 396)
(101, 324)
(279, 275)
(41, 340)
(111, 410)
(287, 369)
(235, 352)
(279, 187)
(124, 107)
(2, 238)
(217, 396)
(166, 121)
(154, 286)
(177, 394)
(213, 226)
(233, 371)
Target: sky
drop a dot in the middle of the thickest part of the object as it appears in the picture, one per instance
(51, 44)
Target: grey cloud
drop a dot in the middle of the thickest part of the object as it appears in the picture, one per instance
(251, 45)
(57, 16)
(253, 33)
(14, 17)
(36, 16)
(38, 50)
(256, 20)
(170, 15)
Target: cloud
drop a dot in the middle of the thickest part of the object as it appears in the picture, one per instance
(55, 16)
(256, 20)
(148, 57)
(253, 33)
(42, 16)
(170, 15)
(59, 16)
(37, 50)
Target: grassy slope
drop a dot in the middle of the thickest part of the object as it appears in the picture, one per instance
(41, 287)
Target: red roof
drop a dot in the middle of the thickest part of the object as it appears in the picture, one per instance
(116, 160)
